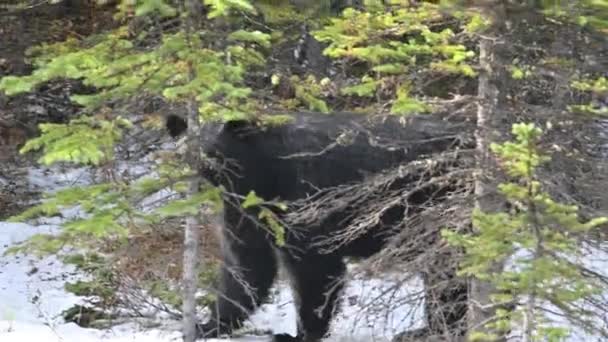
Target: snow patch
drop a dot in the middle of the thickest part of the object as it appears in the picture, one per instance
(32, 299)
(32, 296)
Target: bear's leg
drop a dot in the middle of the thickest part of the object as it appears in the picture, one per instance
(317, 281)
(247, 273)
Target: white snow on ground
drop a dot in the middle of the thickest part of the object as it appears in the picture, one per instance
(32, 296)
(30, 304)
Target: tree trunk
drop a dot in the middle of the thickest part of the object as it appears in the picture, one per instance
(191, 234)
(488, 200)
(193, 224)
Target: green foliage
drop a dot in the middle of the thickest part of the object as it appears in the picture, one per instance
(102, 286)
(260, 38)
(108, 211)
(251, 200)
(181, 67)
(103, 65)
(539, 238)
(171, 295)
(103, 206)
(208, 272)
(90, 288)
(308, 92)
(86, 140)
(282, 12)
(405, 104)
(598, 87)
(266, 215)
(161, 289)
(222, 8)
(87, 196)
(477, 23)
(145, 7)
(584, 12)
(119, 70)
(270, 218)
(589, 109)
(87, 262)
(191, 205)
(391, 40)
(367, 87)
(519, 73)
(519, 157)
(140, 8)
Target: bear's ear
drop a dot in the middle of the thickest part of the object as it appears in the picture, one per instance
(176, 125)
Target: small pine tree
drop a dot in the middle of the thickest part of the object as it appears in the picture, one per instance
(540, 239)
(179, 68)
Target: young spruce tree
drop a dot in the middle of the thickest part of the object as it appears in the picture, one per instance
(540, 239)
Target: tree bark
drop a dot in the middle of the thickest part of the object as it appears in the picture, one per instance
(191, 235)
(487, 199)
(193, 224)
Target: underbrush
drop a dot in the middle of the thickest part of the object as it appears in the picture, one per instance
(138, 278)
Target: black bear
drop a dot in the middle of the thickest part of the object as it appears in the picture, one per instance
(290, 162)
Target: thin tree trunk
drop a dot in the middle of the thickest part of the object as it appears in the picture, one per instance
(191, 234)
(487, 197)
(193, 224)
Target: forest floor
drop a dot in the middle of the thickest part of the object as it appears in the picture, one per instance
(32, 295)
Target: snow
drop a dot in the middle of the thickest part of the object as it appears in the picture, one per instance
(32, 295)
(31, 302)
